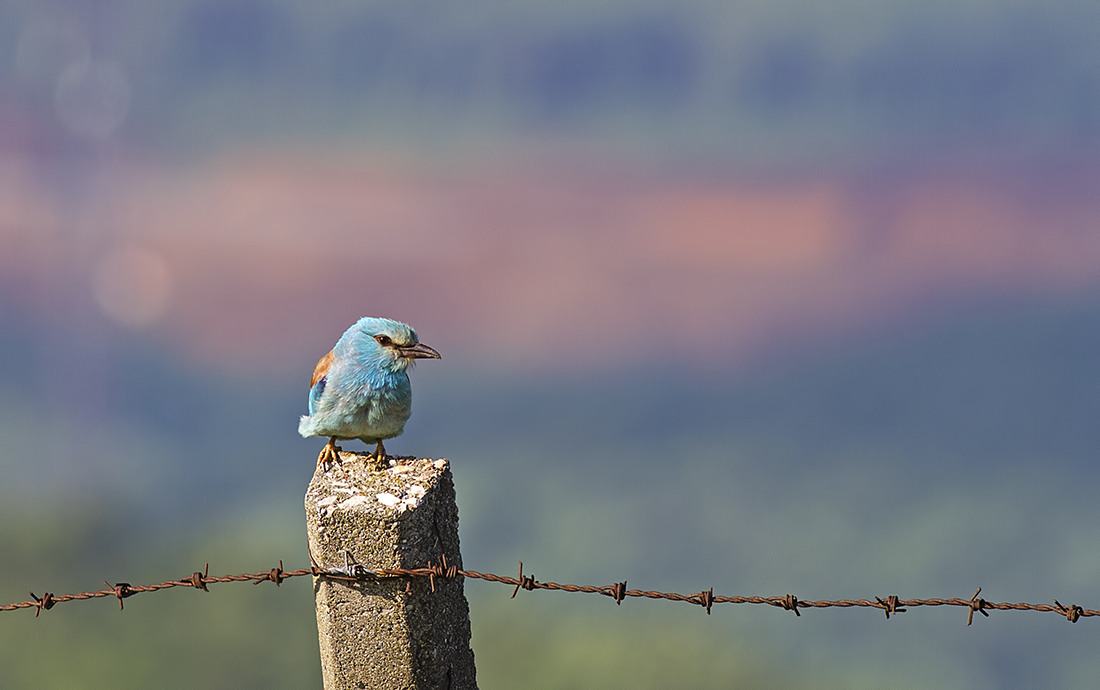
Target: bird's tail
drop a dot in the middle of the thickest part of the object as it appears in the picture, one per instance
(305, 426)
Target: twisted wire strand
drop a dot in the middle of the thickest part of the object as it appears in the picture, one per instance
(891, 605)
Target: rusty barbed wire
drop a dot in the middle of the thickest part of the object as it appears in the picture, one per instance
(353, 572)
(122, 590)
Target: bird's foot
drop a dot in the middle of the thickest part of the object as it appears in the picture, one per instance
(379, 456)
(330, 455)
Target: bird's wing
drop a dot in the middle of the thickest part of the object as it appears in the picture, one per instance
(317, 383)
(321, 369)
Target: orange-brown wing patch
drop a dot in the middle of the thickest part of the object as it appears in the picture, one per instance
(321, 369)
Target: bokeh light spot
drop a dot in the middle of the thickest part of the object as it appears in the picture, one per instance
(92, 98)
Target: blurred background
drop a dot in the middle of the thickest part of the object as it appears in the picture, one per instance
(766, 296)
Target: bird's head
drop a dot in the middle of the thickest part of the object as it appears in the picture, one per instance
(393, 343)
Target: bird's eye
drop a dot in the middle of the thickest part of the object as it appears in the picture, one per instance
(383, 340)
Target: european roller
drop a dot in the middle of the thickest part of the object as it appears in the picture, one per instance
(361, 388)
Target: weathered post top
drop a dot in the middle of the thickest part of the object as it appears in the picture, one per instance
(389, 632)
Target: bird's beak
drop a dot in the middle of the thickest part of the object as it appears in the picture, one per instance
(419, 351)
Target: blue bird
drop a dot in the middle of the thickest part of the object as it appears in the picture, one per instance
(361, 388)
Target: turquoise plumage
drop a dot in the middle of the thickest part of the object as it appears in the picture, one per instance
(361, 388)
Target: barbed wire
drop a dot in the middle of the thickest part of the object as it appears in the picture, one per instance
(353, 572)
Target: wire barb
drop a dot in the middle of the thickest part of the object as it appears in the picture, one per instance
(790, 603)
(890, 605)
(275, 575)
(527, 582)
(197, 579)
(1071, 612)
(445, 571)
(46, 602)
(616, 591)
(121, 590)
(976, 604)
(706, 599)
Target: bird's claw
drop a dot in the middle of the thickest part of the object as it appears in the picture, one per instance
(330, 455)
(379, 455)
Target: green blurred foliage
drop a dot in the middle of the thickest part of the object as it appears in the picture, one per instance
(245, 636)
(236, 635)
(551, 643)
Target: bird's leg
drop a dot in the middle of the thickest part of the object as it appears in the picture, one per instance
(380, 453)
(330, 454)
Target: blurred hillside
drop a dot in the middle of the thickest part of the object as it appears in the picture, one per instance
(261, 261)
(761, 82)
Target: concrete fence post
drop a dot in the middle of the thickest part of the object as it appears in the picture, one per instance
(392, 632)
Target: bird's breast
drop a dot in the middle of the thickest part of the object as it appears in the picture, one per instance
(378, 409)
